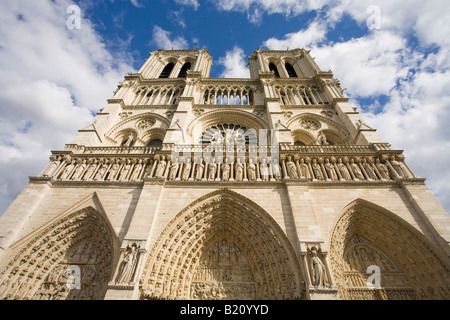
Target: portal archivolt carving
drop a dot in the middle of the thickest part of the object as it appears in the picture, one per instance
(223, 246)
(38, 269)
(411, 267)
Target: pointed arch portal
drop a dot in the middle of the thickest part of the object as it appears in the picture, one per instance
(70, 258)
(410, 265)
(222, 246)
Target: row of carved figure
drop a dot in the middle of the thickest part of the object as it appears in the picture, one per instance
(316, 169)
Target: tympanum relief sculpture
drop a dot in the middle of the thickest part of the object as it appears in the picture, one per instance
(223, 273)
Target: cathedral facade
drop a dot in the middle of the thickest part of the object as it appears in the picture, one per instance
(191, 187)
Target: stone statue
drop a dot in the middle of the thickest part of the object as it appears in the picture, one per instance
(398, 167)
(239, 170)
(304, 170)
(136, 172)
(264, 170)
(319, 276)
(130, 140)
(356, 170)
(291, 168)
(212, 169)
(52, 169)
(79, 170)
(369, 170)
(186, 170)
(112, 172)
(225, 170)
(199, 172)
(89, 171)
(125, 171)
(345, 174)
(161, 167)
(322, 139)
(101, 172)
(276, 170)
(67, 170)
(330, 170)
(174, 170)
(224, 253)
(317, 170)
(251, 170)
(128, 265)
(383, 169)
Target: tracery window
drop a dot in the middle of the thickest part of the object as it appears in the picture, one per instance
(228, 133)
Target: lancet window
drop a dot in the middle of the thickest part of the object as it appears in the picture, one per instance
(184, 69)
(273, 68)
(167, 70)
(290, 70)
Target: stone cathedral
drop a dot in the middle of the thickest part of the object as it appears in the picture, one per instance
(191, 187)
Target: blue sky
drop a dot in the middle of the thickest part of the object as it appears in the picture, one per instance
(52, 79)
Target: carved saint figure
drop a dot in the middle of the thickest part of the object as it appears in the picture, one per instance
(398, 167)
(317, 170)
(136, 172)
(89, 171)
(186, 170)
(199, 172)
(345, 174)
(322, 139)
(304, 170)
(125, 171)
(52, 169)
(225, 170)
(173, 170)
(212, 169)
(224, 253)
(330, 170)
(383, 169)
(239, 170)
(291, 168)
(264, 170)
(356, 170)
(129, 141)
(128, 265)
(251, 170)
(67, 171)
(101, 172)
(319, 276)
(79, 170)
(369, 170)
(161, 167)
(112, 172)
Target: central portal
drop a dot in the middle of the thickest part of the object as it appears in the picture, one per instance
(223, 273)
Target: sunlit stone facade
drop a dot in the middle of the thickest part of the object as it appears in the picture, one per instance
(191, 187)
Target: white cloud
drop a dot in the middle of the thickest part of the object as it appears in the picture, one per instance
(314, 34)
(189, 3)
(256, 8)
(387, 62)
(162, 39)
(234, 64)
(47, 76)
